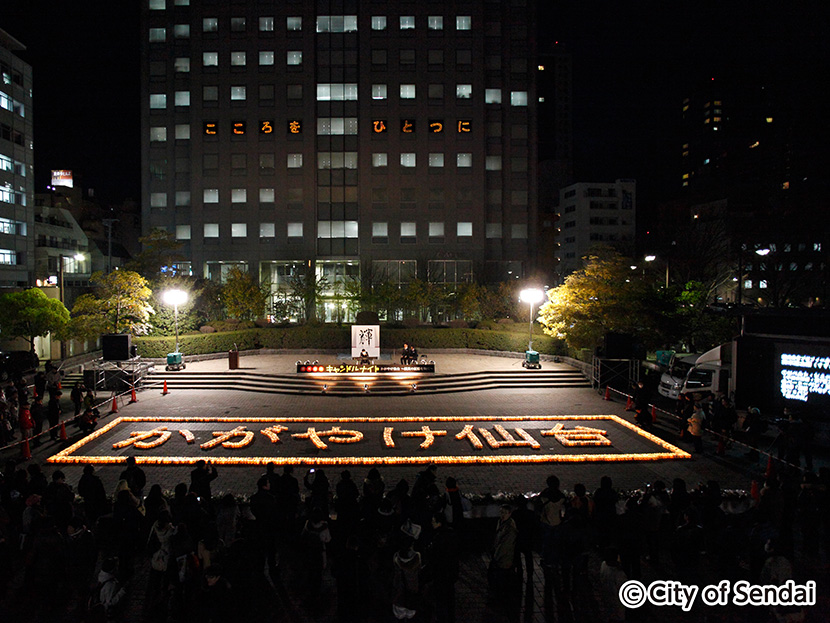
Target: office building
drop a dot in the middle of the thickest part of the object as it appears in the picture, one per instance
(16, 166)
(595, 214)
(385, 141)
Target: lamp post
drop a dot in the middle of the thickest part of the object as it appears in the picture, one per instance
(531, 296)
(651, 258)
(175, 298)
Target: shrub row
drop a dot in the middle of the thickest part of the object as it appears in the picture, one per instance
(339, 338)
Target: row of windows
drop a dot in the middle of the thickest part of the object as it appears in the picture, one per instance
(324, 24)
(9, 75)
(13, 166)
(8, 257)
(342, 93)
(14, 228)
(9, 195)
(349, 229)
(8, 133)
(267, 58)
(9, 103)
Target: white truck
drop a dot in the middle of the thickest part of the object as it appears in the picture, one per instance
(672, 380)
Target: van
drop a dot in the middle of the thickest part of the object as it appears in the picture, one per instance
(673, 379)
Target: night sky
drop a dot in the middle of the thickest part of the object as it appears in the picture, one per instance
(633, 64)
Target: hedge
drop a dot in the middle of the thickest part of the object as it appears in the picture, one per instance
(339, 338)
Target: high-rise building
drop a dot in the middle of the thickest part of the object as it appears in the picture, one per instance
(592, 214)
(353, 138)
(16, 166)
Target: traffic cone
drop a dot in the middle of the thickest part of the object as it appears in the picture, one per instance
(133, 397)
(114, 408)
(629, 404)
(27, 453)
(653, 413)
(607, 393)
(63, 436)
(164, 391)
(59, 385)
(770, 468)
(754, 491)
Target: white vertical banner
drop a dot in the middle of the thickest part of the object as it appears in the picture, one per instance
(366, 336)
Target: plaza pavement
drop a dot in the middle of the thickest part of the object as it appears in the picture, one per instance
(732, 472)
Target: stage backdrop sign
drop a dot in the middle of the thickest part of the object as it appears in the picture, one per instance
(366, 336)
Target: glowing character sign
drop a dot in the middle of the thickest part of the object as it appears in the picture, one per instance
(366, 337)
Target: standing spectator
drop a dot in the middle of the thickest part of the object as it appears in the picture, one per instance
(346, 504)
(317, 484)
(77, 397)
(373, 489)
(695, 428)
(502, 572)
(407, 589)
(264, 509)
(551, 504)
(655, 503)
(91, 489)
(200, 479)
(605, 510)
(40, 384)
(58, 500)
(315, 538)
(641, 398)
(46, 568)
(227, 519)
(163, 565)
(581, 504)
(135, 477)
(89, 399)
(82, 554)
(111, 593)
(215, 598)
(455, 505)
(53, 380)
(38, 413)
(289, 498)
(442, 566)
(24, 416)
(611, 578)
(53, 412)
(687, 547)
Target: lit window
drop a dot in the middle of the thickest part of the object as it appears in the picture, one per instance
(337, 160)
(294, 57)
(210, 195)
(181, 31)
(182, 131)
(436, 229)
(407, 91)
(238, 24)
(337, 23)
(436, 160)
(762, 284)
(378, 91)
(157, 5)
(518, 98)
(379, 159)
(238, 59)
(463, 22)
(435, 22)
(181, 65)
(295, 230)
(239, 195)
(182, 232)
(492, 163)
(211, 230)
(238, 93)
(158, 101)
(182, 197)
(158, 34)
(266, 24)
(210, 24)
(295, 161)
(8, 257)
(464, 229)
(408, 229)
(408, 160)
(158, 134)
(267, 230)
(266, 58)
(493, 230)
(407, 22)
(378, 22)
(266, 195)
(158, 200)
(239, 230)
(816, 246)
(210, 59)
(293, 24)
(337, 126)
(337, 92)
(769, 119)
(380, 229)
(492, 96)
(464, 160)
(518, 231)
(463, 91)
(747, 284)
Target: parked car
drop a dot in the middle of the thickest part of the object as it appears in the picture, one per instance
(17, 362)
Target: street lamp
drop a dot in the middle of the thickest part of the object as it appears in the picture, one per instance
(531, 296)
(175, 298)
(651, 258)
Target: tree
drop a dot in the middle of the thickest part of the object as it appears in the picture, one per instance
(244, 298)
(159, 250)
(30, 314)
(305, 290)
(119, 304)
(604, 297)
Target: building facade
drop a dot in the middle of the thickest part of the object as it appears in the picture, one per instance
(16, 166)
(385, 141)
(595, 214)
